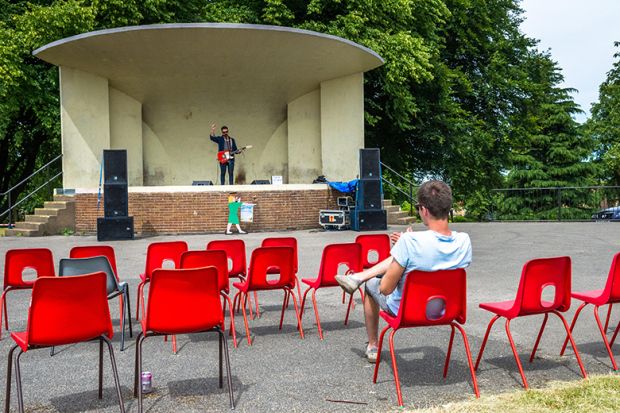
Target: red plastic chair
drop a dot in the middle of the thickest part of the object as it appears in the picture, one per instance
(537, 274)
(15, 262)
(449, 286)
(219, 260)
(65, 311)
(262, 260)
(285, 242)
(334, 256)
(373, 243)
(183, 301)
(235, 250)
(89, 251)
(156, 254)
(607, 296)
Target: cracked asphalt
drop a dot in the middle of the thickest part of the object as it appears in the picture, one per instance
(282, 372)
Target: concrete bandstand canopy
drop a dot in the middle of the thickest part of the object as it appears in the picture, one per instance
(296, 96)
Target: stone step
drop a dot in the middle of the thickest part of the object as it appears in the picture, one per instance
(399, 214)
(46, 211)
(55, 204)
(21, 232)
(405, 221)
(391, 208)
(66, 198)
(28, 225)
(387, 202)
(37, 218)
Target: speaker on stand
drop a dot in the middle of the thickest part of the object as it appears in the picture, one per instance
(369, 214)
(116, 224)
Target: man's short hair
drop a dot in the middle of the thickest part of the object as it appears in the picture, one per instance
(436, 196)
(224, 127)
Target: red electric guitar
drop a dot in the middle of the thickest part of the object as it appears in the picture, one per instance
(224, 156)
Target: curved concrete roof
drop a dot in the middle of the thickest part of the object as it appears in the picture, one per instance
(255, 62)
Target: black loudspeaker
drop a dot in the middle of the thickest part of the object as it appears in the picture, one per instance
(115, 166)
(261, 182)
(369, 220)
(110, 229)
(369, 194)
(115, 200)
(201, 183)
(370, 167)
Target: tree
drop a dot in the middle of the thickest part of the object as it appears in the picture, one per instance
(604, 125)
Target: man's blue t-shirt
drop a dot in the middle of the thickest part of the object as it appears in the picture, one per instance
(428, 251)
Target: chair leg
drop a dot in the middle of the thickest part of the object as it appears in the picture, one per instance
(297, 314)
(448, 353)
(138, 301)
(138, 375)
(256, 303)
(395, 369)
(572, 326)
(128, 309)
(600, 328)
(303, 301)
(100, 394)
(540, 333)
(232, 320)
(122, 320)
(244, 298)
(484, 341)
(374, 377)
(613, 338)
(516, 354)
(9, 370)
(3, 309)
(469, 361)
(346, 318)
(298, 288)
(220, 334)
(228, 373)
(608, 317)
(174, 343)
(115, 373)
(316, 314)
(18, 378)
(284, 304)
(572, 343)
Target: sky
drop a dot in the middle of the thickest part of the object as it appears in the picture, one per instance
(580, 35)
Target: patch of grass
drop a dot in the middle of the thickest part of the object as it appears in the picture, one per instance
(596, 394)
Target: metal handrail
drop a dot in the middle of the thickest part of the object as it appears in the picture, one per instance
(410, 184)
(28, 196)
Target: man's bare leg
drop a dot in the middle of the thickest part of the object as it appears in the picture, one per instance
(350, 283)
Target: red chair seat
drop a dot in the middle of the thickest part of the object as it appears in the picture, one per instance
(312, 282)
(143, 277)
(506, 308)
(21, 339)
(595, 297)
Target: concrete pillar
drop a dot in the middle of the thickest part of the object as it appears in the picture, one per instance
(342, 126)
(304, 138)
(85, 116)
(126, 132)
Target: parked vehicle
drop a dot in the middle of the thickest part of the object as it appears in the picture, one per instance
(612, 214)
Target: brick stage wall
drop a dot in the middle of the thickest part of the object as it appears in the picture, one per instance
(198, 211)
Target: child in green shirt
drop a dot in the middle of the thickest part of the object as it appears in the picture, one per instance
(234, 203)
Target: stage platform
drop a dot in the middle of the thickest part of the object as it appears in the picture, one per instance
(204, 209)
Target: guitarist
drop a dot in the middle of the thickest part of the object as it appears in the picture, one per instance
(225, 143)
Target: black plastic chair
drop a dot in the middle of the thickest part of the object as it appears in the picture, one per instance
(81, 266)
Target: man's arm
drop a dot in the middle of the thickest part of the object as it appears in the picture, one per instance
(391, 278)
(212, 135)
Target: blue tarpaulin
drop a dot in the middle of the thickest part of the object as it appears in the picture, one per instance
(345, 187)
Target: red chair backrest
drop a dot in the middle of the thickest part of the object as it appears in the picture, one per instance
(183, 301)
(88, 251)
(158, 252)
(612, 287)
(264, 258)
(18, 260)
(208, 258)
(449, 286)
(336, 255)
(283, 242)
(235, 250)
(539, 274)
(377, 243)
(68, 310)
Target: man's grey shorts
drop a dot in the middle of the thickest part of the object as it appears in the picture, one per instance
(372, 288)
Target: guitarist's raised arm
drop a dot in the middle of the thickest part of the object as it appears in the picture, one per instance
(212, 135)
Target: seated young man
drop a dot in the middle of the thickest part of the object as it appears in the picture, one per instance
(437, 248)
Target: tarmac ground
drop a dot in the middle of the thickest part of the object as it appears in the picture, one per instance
(282, 372)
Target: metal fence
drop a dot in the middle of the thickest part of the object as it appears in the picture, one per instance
(553, 203)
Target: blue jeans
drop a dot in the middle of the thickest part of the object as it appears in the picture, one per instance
(230, 165)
